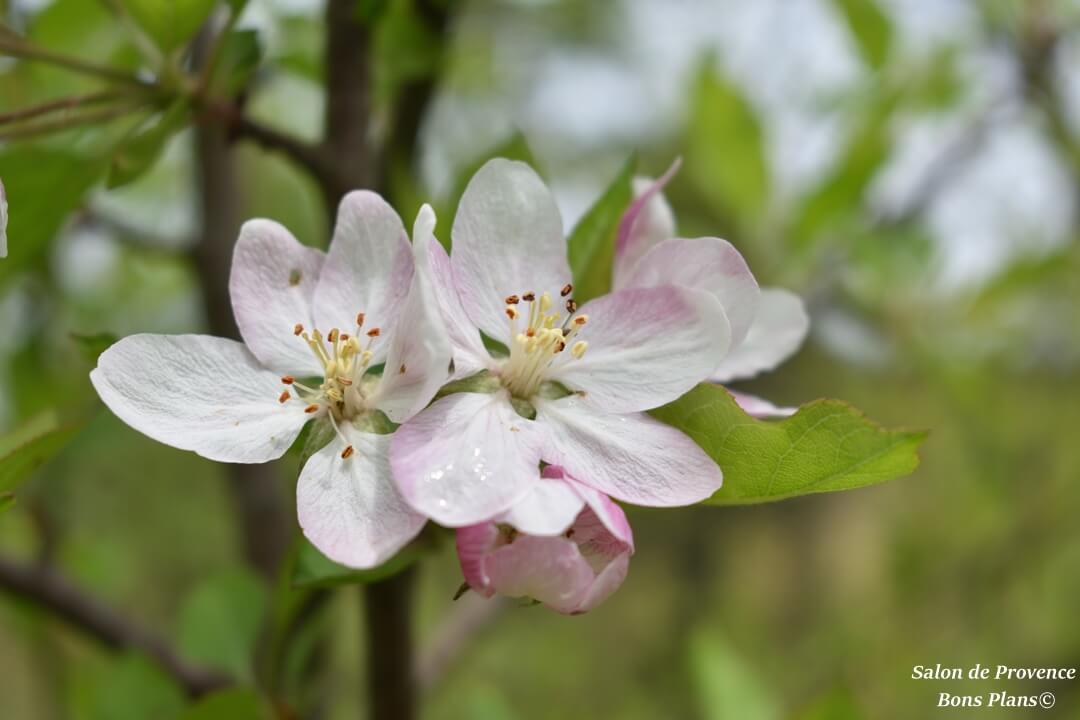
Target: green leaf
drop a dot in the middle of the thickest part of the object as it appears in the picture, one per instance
(727, 688)
(30, 446)
(870, 27)
(91, 346)
(241, 53)
(839, 196)
(313, 569)
(726, 149)
(133, 688)
(826, 446)
(591, 245)
(170, 23)
(220, 622)
(43, 185)
(234, 704)
(141, 150)
(6, 501)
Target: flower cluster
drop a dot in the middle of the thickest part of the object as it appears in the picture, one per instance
(469, 388)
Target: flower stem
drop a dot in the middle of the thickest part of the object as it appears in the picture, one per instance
(391, 688)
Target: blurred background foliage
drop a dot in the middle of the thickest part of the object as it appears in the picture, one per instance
(910, 167)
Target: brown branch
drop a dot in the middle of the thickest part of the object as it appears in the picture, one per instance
(50, 590)
(347, 121)
(391, 690)
(265, 522)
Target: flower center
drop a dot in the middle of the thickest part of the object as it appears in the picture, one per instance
(345, 361)
(548, 331)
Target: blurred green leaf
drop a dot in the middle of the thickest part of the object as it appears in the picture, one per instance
(837, 705)
(234, 704)
(839, 196)
(170, 23)
(91, 346)
(725, 154)
(826, 446)
(591, 245)
(871, 28)
(220, 622)
(30, 446)
(133, 688)
(44, 185)
(313, 569)
(241, 53)
(144, 146)
(6, 501)
(727, 688)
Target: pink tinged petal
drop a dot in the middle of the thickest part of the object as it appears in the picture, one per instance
(549, 569)
(272, 284)
(349, 507)
(633, 458)
(648, 221)
(470, 356)
(199, 393)
(507, 240)
(606, 583)
(708, 264)
(646, 347)
(368, 268)
(549, 508)
(606, 511)
(761, 408)
(778, 331)
(466, 458)
(474, 543)
(418, 359)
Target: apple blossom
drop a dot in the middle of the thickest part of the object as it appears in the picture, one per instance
(767, 325)
(573, 384)
(571, 556)
(247, 402)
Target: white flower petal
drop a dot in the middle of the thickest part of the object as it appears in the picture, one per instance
(418, 359)
(507, 240)
(646, 347)
(349, 508)
(779, 329)
(272, 283)
(470, 355)
(709, 264)
(633, 458)
(549, 508)
(760, 407)
(648, 221)
(368, 268)
(200, 393)
(466, 458)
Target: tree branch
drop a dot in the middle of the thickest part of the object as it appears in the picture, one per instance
(48, 589)
(388, 617)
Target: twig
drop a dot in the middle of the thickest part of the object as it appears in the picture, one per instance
(388, 609)
(48, 589)
(68, 103)
(22, 49)
(71, 122)
(470, 616)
